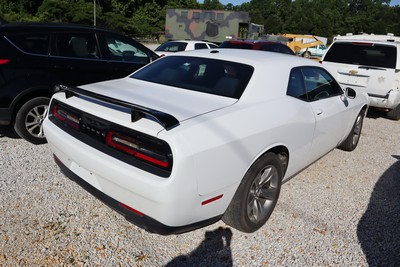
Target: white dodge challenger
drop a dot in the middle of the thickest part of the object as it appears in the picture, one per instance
(201, 136)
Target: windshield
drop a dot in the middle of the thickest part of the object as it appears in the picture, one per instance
(205, 75)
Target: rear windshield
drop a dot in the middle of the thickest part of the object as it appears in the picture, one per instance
(239, 45)
(359, 53)
(206, 75)
(172, 47)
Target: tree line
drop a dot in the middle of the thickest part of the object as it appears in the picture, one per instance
(142, 17)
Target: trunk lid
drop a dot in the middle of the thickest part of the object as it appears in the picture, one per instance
(180, 103)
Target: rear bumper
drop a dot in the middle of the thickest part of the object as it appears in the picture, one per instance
(145, 222)
(390, 101)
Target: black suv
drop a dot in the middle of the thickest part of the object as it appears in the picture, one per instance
(35, 57)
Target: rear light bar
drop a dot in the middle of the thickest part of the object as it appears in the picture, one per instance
(65, 116)
(127, 144)
(4, 61)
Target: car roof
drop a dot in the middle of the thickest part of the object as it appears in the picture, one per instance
(253, 41)
(366, 41)
(189, 41)
(368, 38)
(263, 62)
(250, 57)
(29, 26)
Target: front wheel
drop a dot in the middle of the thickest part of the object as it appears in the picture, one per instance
(257, 195)
(29, 119)
(351, 141)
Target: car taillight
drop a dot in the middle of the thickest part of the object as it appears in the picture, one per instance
(66, 116)
(140, 148)
(4, 61)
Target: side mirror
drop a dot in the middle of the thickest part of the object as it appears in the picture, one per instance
(350, 93)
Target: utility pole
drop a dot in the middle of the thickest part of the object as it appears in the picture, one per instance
(94, 12)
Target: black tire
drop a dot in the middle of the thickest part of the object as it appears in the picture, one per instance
(307, 54)
(249, 208)
(29, 119)
(351, 141)
(394, 114)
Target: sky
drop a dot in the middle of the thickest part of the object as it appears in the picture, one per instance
(239, 2)
(234, 2)
(392, 3)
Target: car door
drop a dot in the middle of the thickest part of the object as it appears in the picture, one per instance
(316, 88)
(331, 110)
(77, 58)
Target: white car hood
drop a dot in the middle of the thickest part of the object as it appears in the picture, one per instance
(181, 103)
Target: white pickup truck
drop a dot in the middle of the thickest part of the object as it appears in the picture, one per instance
(316, 51)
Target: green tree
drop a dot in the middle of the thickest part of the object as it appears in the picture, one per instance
(147, 19)
(212, 5)
(54, 11)
(182, 4)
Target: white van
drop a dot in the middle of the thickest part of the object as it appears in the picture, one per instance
(368, 63)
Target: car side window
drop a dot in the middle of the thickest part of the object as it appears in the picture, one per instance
(319, 84)
(77, 45)
(200, 46)
(124, 50)
(312, 84)
(31, 43)
(296, 85)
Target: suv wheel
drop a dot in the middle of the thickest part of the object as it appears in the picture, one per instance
(29, 119)
(394, 114)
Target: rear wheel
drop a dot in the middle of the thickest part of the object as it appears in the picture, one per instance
(257, 195)
(29, 119)
(351, 142)
(307, 54)
(394, 114)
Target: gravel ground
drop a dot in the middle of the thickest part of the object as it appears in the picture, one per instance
(341, 211)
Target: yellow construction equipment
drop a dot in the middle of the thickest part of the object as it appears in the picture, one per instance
(297, 42)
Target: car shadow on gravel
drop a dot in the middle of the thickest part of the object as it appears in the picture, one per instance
(375, 113)
(214, 250)
(8, 131)
(379, 229)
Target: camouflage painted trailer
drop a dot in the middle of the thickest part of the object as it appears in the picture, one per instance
(211, 25)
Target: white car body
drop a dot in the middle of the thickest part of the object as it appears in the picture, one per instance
(171, 47)
(214, 141)
(316, 51)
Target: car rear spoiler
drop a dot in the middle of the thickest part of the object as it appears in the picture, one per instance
(137, 112)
